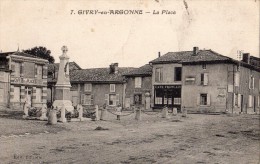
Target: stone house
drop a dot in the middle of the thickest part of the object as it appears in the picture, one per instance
(139, 86)
(205, 81)
(97, 86)
(23, 77)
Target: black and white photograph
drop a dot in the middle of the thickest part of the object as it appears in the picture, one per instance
(130, 82)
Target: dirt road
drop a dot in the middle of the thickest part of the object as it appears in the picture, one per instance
(195, 139)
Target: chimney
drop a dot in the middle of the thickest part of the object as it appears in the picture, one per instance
(113, 68)
(195, 50)
(246, 58)
(159, 54)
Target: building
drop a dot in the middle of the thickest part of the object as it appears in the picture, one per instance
(205, 81)
(97, 86)
(23, 77)
(139, 86)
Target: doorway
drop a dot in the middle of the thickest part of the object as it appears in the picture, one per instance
(28, 95)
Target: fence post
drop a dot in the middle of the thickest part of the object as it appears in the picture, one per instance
(138, 113)
(165, 112)
(52, 117)
(44, 111)
(103, 113)
(62, 114)
(96, 110)
(184, 112)
(26, 109)
(80, 111)
(174, 111)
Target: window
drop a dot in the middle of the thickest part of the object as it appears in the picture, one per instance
(38, 95)
(112, 99)
(251, 82)
(87, 99)
(16, 94)
(39, 71)
(112, 87)
(204, 66)
(237, 79)
(203, 99)
(158, 74)
(138, 82)
(250, 101)
(177, 101)
(204, 79)
(177, 74)
(138, 99)
(88, 87)
(17, 69)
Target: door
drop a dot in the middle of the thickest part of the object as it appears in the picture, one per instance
(254, 103)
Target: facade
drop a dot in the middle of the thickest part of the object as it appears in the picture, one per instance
(205, 81)
(139, 86)
(97, 86)
(24, 79)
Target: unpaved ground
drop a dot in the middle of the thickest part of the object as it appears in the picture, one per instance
(195, 139)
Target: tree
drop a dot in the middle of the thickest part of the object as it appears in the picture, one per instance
(41, 52)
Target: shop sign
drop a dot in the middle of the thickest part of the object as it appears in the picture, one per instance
(167, 86)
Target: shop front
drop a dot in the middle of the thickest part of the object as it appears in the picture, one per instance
(167, 95)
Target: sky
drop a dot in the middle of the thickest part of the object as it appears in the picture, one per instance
(96, 40)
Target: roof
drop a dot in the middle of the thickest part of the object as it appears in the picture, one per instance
(97, 75)
(188, 57)
(55, 66)
(18, 53)
(145, 70)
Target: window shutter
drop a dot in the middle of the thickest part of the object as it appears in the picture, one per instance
(198, 99)
(90, 87)
(206, 78)
(117, 99)
(249, 101)
(107, 99)
(237, 79)
(156, 75)
(92, 100)
(35, 70)
(13, 68)
(21, 68)
(234, 99)
(208, 99)
(161, 74)
(82, 99)
(239, 100)
(249, 83)
(253, 83)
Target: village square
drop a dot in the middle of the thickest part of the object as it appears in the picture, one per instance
(161, 112)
